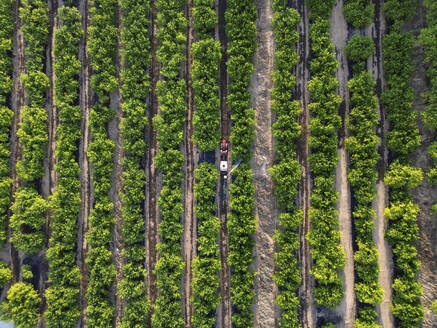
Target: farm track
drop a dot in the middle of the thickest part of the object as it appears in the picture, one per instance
(190, 233)
(117, 187)
(152, 174)
(308, 309)
(385, 258)
(47, 185)
(17, 102)
(51, 107)
(266, 311)
(339, 35)
(86, 193)
(225, 274)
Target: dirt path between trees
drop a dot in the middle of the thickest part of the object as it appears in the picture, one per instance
(308, 309)
(48, 181)
(86, 97)
(152, 174)
(190, 233)
(266, 311)
(17, 102)
(224, 318)
(385, 259)
(347, 307)
(117, 186)
(50, 174)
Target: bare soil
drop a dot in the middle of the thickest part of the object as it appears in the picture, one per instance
(266, 311)
(50, 173)
(86, 194)
(347, 307)
(190, 231)
(117, 186)
(18, 100)
(151, 211)
(339, 35)
(385, 259)
(224, 316)
(308, 308)
(50, 176)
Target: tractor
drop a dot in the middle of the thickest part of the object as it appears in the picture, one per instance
(224, 159)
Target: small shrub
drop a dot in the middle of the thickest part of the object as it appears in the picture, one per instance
(434, 307)
(359, 48)
(22, 305)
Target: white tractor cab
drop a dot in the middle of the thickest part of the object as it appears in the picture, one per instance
(224, 158)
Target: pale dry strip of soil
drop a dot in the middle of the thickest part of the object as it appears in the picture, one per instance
(308, 308)
(266, 311)
(385, 258)
(347, 307)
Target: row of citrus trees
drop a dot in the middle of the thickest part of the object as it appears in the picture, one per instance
(6, 115)
(103, 51)
(286, 171)
(241, 32)
(134, 90)
(206, 54)
(403, 139)
(361, 146)
(63, 294)
(327, 253)
(172, 90)
(29, 208)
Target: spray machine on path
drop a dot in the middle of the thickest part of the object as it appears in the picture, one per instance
(224, 147)
(224, 159)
